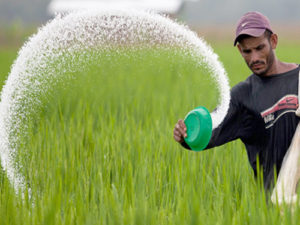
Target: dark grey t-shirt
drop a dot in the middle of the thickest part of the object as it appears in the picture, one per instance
(262, 115)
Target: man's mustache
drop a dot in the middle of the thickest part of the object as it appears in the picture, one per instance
(256, 62)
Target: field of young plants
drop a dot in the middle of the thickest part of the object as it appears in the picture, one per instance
(101, 149)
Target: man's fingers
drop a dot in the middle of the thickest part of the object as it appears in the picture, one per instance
(181, 128)
(182, 124)
(177, 133)
(177, 138)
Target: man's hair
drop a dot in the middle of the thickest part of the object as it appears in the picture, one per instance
(267, 35)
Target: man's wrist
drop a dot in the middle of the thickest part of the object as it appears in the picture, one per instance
(185, 145)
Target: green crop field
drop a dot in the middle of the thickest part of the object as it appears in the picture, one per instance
(101, 150)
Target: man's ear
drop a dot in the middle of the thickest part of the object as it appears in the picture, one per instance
(274, 40)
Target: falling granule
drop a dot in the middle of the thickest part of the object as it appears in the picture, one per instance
(45, 58)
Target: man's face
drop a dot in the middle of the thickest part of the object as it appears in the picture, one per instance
(258, 53)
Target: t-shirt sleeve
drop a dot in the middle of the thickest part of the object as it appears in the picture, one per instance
(230, 127)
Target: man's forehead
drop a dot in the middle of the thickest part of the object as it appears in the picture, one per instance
(252, 42)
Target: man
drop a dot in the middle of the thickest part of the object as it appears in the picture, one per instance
(262, 108)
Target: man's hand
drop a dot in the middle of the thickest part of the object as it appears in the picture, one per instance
(179, 132)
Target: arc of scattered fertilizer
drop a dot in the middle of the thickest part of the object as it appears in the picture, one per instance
(88, 30)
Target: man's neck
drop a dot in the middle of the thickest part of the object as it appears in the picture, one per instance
(279, 67)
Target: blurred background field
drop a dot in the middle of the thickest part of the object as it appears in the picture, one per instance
(102, 151)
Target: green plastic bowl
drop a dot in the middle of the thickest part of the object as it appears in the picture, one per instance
(199, 128)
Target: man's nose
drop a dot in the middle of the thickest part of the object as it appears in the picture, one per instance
(254, 56)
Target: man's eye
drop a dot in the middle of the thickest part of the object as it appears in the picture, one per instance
(246, 51)
(260, 47)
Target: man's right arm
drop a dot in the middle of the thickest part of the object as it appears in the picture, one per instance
(227, 131)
